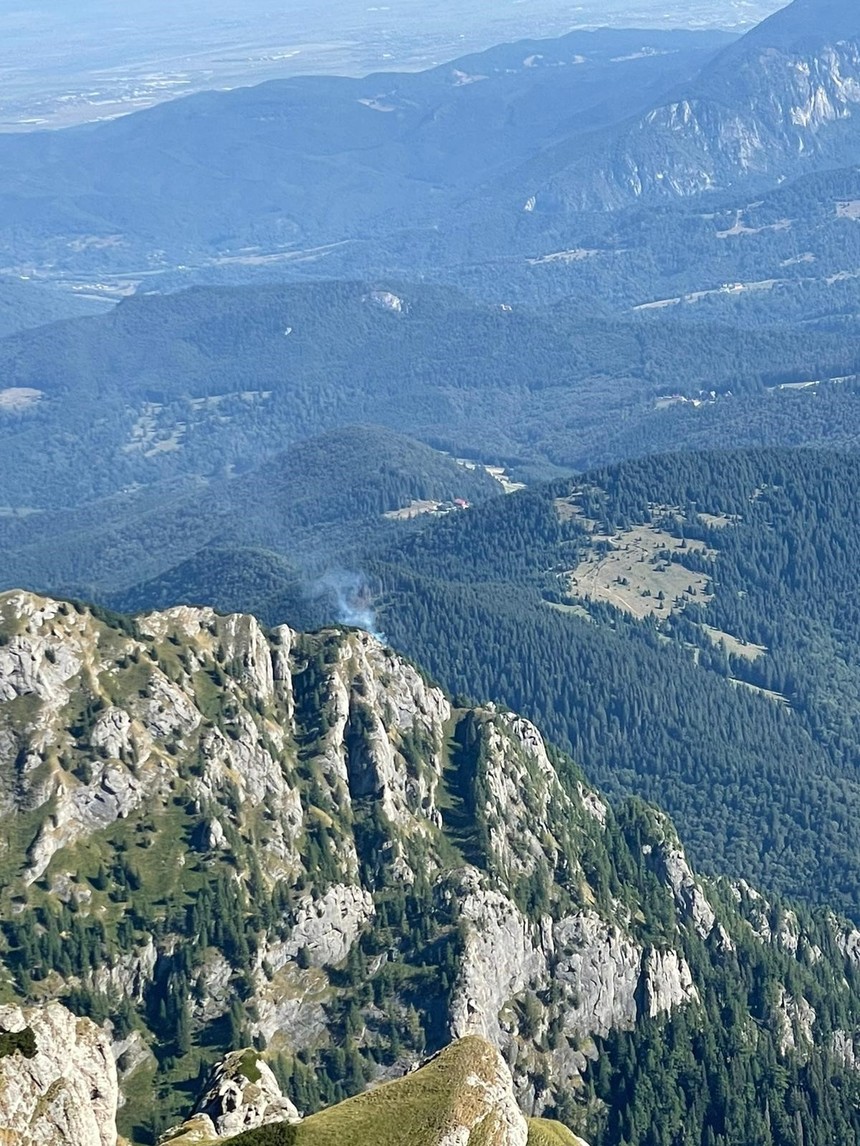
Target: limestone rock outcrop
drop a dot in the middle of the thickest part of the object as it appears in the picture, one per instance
(781, 102)
(241, 1094)
(67, 1093)
(283, 834)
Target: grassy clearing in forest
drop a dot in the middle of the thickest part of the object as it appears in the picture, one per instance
(634, 571)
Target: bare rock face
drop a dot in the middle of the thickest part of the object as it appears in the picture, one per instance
(780, 102)
(846, 1049)
(668, 983)
(36, 664)
(502, 956)
(795, 1019)
(67, 1094)
(112, 795)
(603, 966)
(326, 929)
(241, 1094)
(324, 765)
(598, 977)
(392, 699)
(522, 787)
(690, 899)
(129, 975)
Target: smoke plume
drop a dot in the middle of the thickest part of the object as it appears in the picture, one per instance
(353, 600)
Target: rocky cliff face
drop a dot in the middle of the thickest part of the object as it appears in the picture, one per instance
(212, 834)
(781, 102)
(67, 1092)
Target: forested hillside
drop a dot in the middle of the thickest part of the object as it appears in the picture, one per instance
(632, 612)
(211, 380)
(225, 418)
(742, 620)
(25, 305)
(312, 505)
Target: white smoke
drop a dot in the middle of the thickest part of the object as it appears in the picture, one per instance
(353, 600)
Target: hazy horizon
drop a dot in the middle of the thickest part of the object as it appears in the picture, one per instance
(61, 66)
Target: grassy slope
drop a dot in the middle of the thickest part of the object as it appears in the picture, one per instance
(542, 1132)
(418, 1110)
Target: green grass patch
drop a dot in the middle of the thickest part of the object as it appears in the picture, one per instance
(418, 1110)
(250, 1066)
(542, 1132)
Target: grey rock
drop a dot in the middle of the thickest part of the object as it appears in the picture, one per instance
(501, 957)
(112, 733)
(212, 998)
(602, 966)
(130, 1055)
(129, 976)
(241, 1094)
(795, 1022)
(846, 1048)
(769, 112)
(690, 899)
(668, 983)
(216, 840)
(81, 809)
(328, 927)
(68, 1093)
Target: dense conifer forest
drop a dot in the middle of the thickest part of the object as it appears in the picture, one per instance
(773, 794)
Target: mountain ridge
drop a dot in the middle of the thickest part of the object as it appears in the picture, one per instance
(804, 20)
(285, 144)
(550, 602)
(251, 832)
(779, 102)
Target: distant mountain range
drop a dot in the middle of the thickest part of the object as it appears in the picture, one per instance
(305, 162)
(782, 101)
(275, 177)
